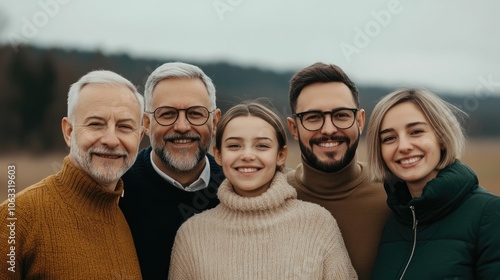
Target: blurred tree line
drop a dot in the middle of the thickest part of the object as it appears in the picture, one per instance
(34, 83)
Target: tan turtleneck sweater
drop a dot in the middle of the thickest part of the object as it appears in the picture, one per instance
(358, 205)
(271, 236)
(67, 227)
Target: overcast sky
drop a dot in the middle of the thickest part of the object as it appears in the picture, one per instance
(442, 45)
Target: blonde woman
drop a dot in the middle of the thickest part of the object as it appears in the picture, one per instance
(444, 225)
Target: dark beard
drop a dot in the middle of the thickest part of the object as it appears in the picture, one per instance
(314, 162)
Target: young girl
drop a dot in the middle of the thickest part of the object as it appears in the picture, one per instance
(445, 226)
(259, 230)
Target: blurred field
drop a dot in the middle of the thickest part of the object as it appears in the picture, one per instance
(483, 155)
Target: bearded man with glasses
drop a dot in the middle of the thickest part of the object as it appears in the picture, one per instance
(175, 178)
(327, 123)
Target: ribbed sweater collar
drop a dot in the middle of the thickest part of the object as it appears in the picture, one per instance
(331, 185)
(82, 193)
(278, 193)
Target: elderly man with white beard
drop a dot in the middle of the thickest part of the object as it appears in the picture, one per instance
(69, 225)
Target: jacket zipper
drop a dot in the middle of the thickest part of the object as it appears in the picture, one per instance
(415, 223)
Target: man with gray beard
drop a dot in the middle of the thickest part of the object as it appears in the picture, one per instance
(175, 178)
(69, 225)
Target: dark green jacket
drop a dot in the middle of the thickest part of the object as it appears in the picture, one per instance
(455, 226)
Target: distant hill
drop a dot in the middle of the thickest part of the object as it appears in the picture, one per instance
(34, 83)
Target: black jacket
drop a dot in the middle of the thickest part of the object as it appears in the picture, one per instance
(455, 226)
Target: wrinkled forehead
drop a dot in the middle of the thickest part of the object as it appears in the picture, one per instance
(107, 99)
(181, 93)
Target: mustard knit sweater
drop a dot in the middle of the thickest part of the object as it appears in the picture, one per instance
(67, 227)
(272, 236)
(359, 207)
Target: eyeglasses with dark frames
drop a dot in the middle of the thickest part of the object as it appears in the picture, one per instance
(342, 118)
(167, 115)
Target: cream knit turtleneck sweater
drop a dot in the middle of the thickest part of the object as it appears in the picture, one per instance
(68, 227)
(358, 205)
(271, 236)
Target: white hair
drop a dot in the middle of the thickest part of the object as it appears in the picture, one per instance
(177, 70)
(102, 77)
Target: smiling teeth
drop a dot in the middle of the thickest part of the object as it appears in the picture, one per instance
(182, 141)
(410, 160)
(329, 144)
(247, 170)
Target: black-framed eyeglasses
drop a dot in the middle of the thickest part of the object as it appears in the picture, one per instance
(167, 115)
(342, 118)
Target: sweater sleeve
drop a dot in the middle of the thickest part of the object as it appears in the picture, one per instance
(337, 263)
(488, 262)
